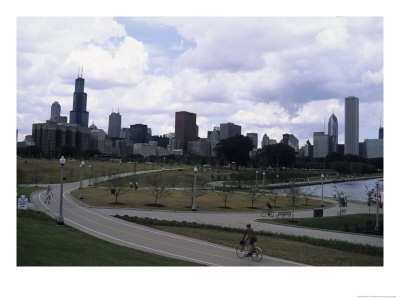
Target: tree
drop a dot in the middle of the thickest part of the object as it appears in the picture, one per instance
(293, 192)
(371, 196)
(235, 149)
(277, 155)
(189, 193)
(253, 194)
(307, 193)
(157, 188)
(225, 194)
(119, 185)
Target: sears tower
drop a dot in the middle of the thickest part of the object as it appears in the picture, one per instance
(78, 114)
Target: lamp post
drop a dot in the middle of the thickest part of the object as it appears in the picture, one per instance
(210, 174)
(194, 189)
(90, 173)
(60, 219)
(257, 180)
(263, 181)
(322, 195)
(81, 166)
(277, 178)
(377, 206)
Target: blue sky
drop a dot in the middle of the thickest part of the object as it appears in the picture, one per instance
(270, 75)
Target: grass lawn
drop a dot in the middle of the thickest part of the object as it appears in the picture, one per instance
(357, 223)
(177, 201)
(41, 243)
(34, 170)
(27, 191)
(276, 246)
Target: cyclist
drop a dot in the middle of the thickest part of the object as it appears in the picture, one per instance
(268, 207)
(250, 236)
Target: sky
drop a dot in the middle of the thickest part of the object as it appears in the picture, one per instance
(270, 75)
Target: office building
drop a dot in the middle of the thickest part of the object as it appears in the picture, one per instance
(322, 144)
(138, 133)
(265, 141)
(333, 132)
(371, 148)
(55, 111)
(114, 125)
(201, 147)
(381, 133)
(351, 126)
(308, 149)
(228, 130)
(78, 115)
(254, 139)
(185, 127)
(290, 140)
(214, 139)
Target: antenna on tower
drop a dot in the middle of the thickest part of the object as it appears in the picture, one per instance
(78, 70)
(380, 122)
(324, 124)
(82, 72)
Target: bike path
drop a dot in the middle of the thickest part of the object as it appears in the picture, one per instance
(101, 225)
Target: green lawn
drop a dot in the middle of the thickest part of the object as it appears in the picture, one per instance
(357, 223)
(27, 191)
(41, 243)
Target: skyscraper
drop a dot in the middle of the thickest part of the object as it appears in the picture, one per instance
(138, 133)
(351, 126)
(333, 131)
(265, 140)
(114, 125)
(78, 114)
(254, 139)
(55, 111)
(229, 130)
(185, 127)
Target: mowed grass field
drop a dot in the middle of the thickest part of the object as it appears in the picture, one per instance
(177, 200)
(43, 171)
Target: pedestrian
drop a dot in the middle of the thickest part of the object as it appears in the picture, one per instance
(49, 194)
(136, 185)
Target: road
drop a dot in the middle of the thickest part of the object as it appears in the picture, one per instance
(101, 225)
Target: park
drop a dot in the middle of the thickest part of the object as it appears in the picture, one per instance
(214, 210)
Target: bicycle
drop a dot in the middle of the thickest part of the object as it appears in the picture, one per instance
(243, 249)
(265, 213)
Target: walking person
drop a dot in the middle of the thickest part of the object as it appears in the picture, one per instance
(49, 194)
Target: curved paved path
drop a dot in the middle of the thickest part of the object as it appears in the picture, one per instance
(101, 225)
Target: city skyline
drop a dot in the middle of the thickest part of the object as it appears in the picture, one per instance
(269, 75)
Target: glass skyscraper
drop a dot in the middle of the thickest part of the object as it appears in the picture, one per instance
(333, 132)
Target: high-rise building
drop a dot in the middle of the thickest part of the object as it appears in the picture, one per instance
(254, 139)
(265, 140)
(185, 127)
(228, 130)
(351, 126)
(322, 144)
(333, 132)
(78, 114)
(114, 125)
(381, 133)
(290, 140)
(214, 139)
(138, 133)
(55, 111)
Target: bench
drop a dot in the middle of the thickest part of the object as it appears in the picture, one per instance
(283, 214)
(341, 212)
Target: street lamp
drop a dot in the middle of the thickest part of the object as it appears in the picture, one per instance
(164, 163)
(322, 195)
(377, 206)
(60, 219)
(257, 180)
(90, 173)
(263, 181)
(194, 189)
(81, 166)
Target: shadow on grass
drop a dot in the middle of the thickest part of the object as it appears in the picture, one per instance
(154, 205)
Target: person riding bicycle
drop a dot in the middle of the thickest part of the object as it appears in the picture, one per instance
(250, 236)
(268, 207)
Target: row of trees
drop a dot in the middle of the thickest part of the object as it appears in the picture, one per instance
(64, 150)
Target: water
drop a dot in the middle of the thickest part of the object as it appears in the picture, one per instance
(354, 190)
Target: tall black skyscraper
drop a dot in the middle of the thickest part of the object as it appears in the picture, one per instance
(78, 114)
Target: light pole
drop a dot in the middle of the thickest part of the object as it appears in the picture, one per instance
(90, 173)
(263, 181)
(194, 189)
(60, 219)
(164, 163)
(257, 180)
(377, 206)
(322, 195)
(210, 174)
(81, 166)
